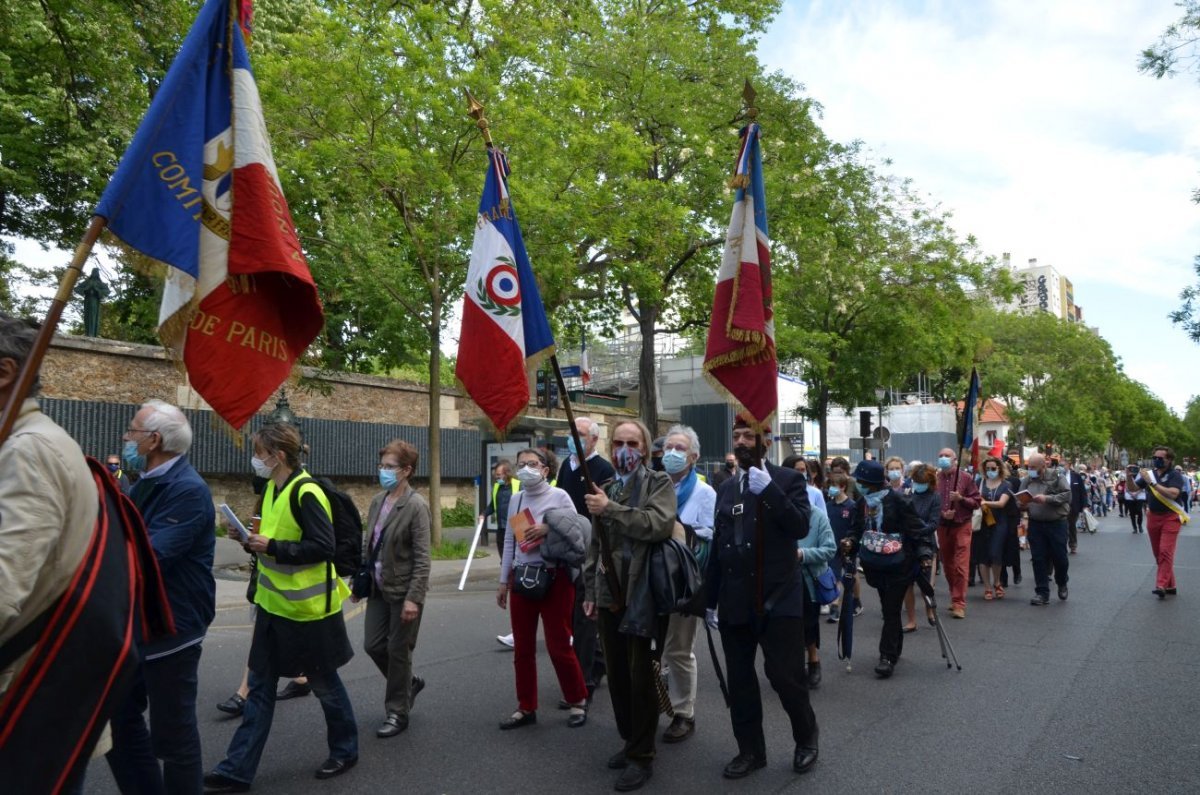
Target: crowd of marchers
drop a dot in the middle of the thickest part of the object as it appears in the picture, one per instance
(779, 548)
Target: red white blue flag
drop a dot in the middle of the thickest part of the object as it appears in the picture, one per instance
(504, 327)
(197, 194)
(739, 358)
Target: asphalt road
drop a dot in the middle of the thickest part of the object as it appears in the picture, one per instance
(1094, 694)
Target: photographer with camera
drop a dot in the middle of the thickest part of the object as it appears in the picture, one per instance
(1135, 499)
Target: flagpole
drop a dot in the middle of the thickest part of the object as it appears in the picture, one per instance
(33, 362)
(475, 110)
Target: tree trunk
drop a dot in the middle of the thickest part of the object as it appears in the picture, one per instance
(647, 381)
(435, 413)
(822, 421)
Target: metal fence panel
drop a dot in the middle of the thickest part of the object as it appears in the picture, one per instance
(339, 448)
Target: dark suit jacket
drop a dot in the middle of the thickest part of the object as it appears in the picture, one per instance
(731, 584)
(1078, 492)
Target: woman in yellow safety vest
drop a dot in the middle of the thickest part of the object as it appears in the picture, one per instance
(298, 626)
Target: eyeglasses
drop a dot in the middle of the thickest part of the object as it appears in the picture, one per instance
(391, 467)
(681, 448)
(131, 429)
(532, 465)
(634, 444)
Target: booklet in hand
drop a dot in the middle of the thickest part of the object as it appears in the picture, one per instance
(1023, 496)
(520, 523)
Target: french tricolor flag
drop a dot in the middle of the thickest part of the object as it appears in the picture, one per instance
(197, 197)
(739, 357)
(504, 327)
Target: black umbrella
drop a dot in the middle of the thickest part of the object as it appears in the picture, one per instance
(845, 631)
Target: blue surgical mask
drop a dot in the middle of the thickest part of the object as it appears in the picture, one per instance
(833, 491)
(943, 462)
(674, 461)
(571, 446)
(134, 461)
(894, 474)
(875, 498)
(387, 479)
(993, 473)
(920, 488)
(1034, 474)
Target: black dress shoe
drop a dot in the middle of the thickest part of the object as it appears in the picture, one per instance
(1039, 600)
(418, 684)
(215, 782)
(743, 765)
(680, 729)
(804, 759)
(1161, 593)
(1170, 591)
(518, 720)
(293, 689)
(618, 761)
(577, 719)
(633, 777)
(392, 725)
(814, 675)
(885, 668)
(234, 705)
(335, 767)
(1062, 592)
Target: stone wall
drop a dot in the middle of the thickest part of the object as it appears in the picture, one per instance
(107, 371)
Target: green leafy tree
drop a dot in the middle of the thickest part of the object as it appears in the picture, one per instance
(879, 282)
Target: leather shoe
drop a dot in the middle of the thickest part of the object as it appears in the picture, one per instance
(633, 777)
(1161, 593)
(680, 729)
(618, 761)
(1062, 592)
(518, 719)
(814, 675)
(1040, 601)
(293, 689)
(743, 765)
(392, 725)
(804, 759)
(215, 782)
(885, 668)
(335, 767)
(577, 719)
(418, 684)
(234, 705)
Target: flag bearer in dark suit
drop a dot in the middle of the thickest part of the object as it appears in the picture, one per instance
(759, 599)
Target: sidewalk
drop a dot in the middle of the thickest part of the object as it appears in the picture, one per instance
(232, 572)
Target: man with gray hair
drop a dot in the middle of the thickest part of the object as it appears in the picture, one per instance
(178, 509)
(586, 641)
(696, 503)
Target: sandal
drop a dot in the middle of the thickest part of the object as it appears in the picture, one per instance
(987, 595)
(999, 591)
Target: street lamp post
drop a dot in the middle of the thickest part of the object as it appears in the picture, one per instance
(880, 393)
(1021, 443)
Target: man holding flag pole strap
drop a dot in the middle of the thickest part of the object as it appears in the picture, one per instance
(753, 576)
(960, 497)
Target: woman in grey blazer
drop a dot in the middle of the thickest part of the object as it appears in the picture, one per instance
(397, 543)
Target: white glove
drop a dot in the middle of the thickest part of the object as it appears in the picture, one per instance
(710, 618)
(759, 479)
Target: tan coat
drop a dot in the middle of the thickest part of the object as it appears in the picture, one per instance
(48, 509)
(650, 520)
(405, 551)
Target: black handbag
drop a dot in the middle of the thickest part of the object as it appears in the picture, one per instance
(532, 580)
(361, 580)
(675, 580)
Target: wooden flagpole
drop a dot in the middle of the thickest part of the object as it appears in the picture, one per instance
(32, 363)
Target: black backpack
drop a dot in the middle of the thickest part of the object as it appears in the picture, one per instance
(347, 524)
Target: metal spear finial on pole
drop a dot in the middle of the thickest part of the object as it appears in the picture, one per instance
(749, 94)
(475, 111)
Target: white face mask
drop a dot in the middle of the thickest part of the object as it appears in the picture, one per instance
(529, 477)
(261, 468)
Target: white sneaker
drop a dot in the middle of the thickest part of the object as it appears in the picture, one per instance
(505, 640)
(824, 610)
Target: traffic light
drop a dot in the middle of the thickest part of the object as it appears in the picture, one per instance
(864, 424)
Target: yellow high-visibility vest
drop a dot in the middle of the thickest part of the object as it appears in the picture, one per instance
(513, 484)
(298, 592)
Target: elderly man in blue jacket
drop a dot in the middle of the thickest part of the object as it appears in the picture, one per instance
(178, 509)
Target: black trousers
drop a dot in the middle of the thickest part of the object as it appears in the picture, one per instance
(782, 642)
(631, 685)
(586, 643)
(1072, 520)
(891, 588)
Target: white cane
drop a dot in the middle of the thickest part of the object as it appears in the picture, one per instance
(471, 555)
